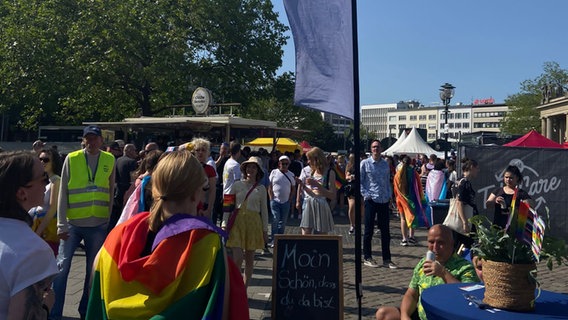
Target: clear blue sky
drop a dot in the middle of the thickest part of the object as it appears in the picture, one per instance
(485, 48)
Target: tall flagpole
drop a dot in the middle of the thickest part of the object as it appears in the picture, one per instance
(357, 151)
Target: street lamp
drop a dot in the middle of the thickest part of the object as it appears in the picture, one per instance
(446, 94)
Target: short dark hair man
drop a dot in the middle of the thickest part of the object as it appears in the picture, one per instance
(376, 190)
(125, 165)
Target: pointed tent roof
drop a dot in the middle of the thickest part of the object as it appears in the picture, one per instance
(533, 139)
(400, 139)
(413, 144)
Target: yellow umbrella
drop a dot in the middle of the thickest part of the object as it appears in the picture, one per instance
(282, 144)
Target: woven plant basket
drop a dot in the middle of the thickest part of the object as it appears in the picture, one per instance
(509, 286)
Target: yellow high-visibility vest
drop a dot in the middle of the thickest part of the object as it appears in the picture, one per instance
(88, 192)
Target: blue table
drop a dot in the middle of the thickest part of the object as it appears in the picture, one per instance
(447, 301)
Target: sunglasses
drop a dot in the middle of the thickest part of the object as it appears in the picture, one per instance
(44, 159)
(44, 179)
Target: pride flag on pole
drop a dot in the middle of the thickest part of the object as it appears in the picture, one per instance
(322, 31)
(530, 228)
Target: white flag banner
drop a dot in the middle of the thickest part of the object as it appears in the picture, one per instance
(322, 31)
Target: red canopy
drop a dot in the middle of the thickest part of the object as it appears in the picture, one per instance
(534, 139)
(305, 146)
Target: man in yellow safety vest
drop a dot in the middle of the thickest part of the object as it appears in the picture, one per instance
(85, 203)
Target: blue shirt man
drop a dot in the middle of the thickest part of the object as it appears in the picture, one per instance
(376, 190)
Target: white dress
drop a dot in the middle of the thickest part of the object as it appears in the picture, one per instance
(316, 212)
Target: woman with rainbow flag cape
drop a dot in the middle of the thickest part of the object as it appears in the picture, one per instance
(410, 201)
(168, 263)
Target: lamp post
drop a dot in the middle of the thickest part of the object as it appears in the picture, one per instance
(446, 95)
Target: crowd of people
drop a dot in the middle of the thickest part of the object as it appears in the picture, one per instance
(143, 217)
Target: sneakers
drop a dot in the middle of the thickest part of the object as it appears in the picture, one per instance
(412, 240)
(390, 265)
(370, 263)
(351, 230)
(404, 243)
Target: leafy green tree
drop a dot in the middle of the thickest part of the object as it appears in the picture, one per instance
(523, 115)
(68, 61)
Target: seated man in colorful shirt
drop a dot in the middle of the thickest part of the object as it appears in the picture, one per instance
(447, 268)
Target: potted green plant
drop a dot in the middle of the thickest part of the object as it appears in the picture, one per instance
(510, 263)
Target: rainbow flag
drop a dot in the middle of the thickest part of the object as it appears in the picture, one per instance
(523, 230)
(340, 180)
(187, 275)
(410, 199)
(537, 235)
(229, 202)
(512, 210)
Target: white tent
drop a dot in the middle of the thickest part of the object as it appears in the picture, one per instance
(413, 144)
(397, 142)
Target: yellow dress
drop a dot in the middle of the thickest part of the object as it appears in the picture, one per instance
(252, 219)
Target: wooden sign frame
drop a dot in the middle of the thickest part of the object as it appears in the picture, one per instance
(305, 282)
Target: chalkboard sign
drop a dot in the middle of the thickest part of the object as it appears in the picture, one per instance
(307, 277)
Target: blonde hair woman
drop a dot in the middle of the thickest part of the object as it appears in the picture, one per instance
(249, 232)
(201, 150)
(317, 181)
(157, 259)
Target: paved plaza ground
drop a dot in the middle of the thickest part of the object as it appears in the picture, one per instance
(381, 286)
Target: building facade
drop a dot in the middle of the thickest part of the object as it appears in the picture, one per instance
(389, 119)
(375, 117)
(554, 117)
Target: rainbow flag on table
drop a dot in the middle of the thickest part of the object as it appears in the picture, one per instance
(186, 276)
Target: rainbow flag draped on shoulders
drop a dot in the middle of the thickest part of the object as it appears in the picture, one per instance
(410, 199)
(187, 275)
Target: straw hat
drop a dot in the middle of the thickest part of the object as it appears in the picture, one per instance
(255, 160)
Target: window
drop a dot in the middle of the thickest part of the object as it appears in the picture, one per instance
(412, 118)
(392, 118)
(401, 126)
(465, 125)
(466, 115)
(422, 126)
(401, 118)
(431, 117)
(422, 117)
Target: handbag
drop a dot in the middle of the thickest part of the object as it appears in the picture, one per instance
(235, 212)
(453, 220)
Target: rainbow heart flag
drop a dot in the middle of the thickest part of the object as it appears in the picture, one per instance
(186, 275)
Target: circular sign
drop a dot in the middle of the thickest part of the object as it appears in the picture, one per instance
(200, 100)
